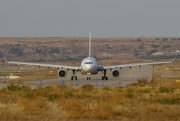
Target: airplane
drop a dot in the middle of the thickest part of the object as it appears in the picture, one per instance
(89, 66)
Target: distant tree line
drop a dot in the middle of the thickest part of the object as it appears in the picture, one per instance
(52, 50)
(139, 40)
(166, 46)
(141, 47)
(16, 50)
(154, 45)
(164, 39)
(136, 54)
(1, 55)
(38, 51)
(40, 60)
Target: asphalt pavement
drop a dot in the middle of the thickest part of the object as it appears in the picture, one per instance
(127, 76)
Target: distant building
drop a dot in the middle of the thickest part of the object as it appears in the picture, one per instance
(166, 53)
(28, 51)
(106, 54)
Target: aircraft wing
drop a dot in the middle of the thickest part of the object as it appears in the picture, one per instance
(47, 65)
(137, 64)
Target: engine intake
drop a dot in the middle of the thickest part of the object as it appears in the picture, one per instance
(62, 73)
(115, 73)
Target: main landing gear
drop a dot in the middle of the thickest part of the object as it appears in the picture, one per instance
(74, 77)
(104, 77)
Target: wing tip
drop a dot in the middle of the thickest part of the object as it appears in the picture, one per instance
(5, 59)
(174, 58)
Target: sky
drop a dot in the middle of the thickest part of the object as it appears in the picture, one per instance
(75, 18)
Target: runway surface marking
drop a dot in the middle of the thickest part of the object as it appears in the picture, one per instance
(131, 73)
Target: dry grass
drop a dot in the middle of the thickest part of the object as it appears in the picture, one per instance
(148, 102)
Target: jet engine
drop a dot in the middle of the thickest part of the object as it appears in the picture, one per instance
(115, 73)
(62, 73)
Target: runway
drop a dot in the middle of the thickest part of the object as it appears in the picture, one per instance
(127, 76)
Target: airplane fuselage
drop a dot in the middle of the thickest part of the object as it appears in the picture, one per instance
(89, 66)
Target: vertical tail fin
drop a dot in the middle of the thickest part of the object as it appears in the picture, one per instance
(90, 44)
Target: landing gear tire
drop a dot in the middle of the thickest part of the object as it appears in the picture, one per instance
(73, 77)
(102, 77)
(105, 78)
(88, 78)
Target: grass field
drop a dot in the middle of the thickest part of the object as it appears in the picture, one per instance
(159, 100)
(147, 102)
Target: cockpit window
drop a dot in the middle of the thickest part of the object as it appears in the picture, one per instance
(88, 63)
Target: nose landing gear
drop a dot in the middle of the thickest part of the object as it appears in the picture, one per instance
(73, 77)
(88, 78)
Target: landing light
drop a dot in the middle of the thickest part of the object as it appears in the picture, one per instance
(88, 73)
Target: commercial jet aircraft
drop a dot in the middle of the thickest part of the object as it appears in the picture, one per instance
(89, 67)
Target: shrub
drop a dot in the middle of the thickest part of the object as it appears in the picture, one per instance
(141, 47)
(103, 111)
(139, 40)
(147, 91)
(106, 88)
(155, 46)
(166, 89)
(170, 101)
(13, 87)
(54, 50)
(129, 93)
(1, 55)
(164, 39)
(142, 82)
(52, 97)
(166, 46)
(87, 87)
(17, 51)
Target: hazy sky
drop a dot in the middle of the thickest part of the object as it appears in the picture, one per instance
(74, 18)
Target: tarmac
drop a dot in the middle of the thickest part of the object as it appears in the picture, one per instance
(127, 77)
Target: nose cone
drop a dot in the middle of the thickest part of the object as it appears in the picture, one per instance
(87, 69)
(88, 66)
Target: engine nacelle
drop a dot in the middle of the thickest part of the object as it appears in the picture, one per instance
(115, 73)
(62, 73)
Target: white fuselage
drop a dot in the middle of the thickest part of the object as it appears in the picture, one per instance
(89, 66)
